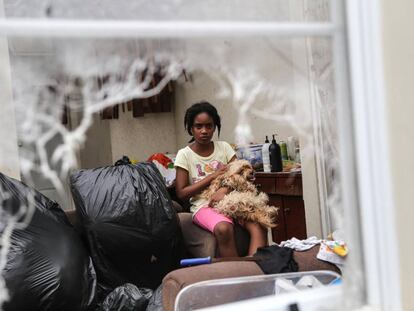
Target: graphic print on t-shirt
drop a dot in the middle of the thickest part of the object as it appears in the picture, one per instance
(200, 172)
(207, 169)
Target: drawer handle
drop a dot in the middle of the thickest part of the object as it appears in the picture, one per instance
(259, 187)
(286, 210)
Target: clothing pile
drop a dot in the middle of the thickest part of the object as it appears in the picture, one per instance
(279, 258)
(333, 251)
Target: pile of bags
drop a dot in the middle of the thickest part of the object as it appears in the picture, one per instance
(128, 241)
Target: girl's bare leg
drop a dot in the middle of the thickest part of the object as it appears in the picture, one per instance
(224, 233)
(258, 236)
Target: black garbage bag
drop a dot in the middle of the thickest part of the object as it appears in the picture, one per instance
(127, 297)
(129, 223)
(122, 161)
(48, 267)
(155, 303)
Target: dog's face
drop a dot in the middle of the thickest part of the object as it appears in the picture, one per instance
(242, 168)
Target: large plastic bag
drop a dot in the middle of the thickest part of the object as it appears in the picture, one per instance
(129, 223)
(155, 303)
(48, 267)
(127, 297)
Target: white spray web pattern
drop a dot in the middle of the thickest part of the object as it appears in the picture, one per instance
(40, 110)
(107, 73)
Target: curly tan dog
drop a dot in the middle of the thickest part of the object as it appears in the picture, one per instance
(244, 202)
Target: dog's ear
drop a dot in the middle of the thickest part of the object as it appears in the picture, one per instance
(234, 168)
(237, 167)
(246, 171)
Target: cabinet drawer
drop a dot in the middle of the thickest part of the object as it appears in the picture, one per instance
(267, 185)
(294, 212)
(289, 185)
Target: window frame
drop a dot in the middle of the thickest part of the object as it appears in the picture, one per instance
(355, 29)
(377, 213)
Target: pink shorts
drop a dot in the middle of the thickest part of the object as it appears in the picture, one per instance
(207, 218)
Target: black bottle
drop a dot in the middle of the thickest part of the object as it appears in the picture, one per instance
(275, 156)
(267, 140)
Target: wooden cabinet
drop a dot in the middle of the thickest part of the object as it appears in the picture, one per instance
(285, 191)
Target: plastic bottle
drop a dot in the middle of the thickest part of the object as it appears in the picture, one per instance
(297, 155)
(283, 150)
(266, 156)
(275, 156)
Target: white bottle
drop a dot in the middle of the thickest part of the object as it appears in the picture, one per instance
(297, 156)
(292, 143)
(266, 156)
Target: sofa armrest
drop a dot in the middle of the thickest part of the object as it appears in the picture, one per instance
(178, 279)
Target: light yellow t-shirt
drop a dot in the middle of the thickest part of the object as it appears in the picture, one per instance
(199, 167)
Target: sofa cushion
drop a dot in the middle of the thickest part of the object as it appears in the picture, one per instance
(198, 242)
(202, 243)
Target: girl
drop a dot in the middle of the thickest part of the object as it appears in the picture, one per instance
(197, 166)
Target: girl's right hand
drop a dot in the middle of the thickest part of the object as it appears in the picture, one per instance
(220, 171)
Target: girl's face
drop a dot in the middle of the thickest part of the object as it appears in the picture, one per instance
(203, 128)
